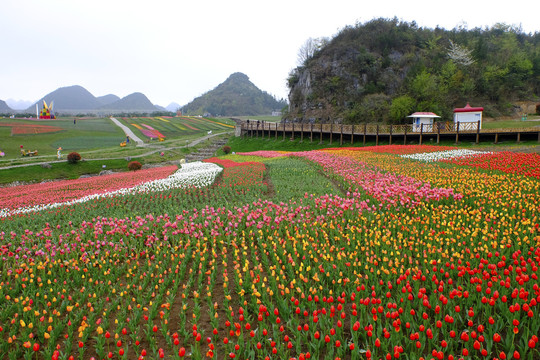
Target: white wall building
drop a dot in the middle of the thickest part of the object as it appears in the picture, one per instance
(423, 118)
(468, 117)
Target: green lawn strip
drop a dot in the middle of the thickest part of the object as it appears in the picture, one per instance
(248, 144)
(64, 170)
(292, 178)
(504, 124)
(84, 135)
(267, 118)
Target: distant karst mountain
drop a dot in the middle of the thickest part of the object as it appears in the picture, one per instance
(173, 107)
(4, 108)
(236, 96)
(107, 99)
(18, 104)
(69, 98)
(76, 99)
(136, 102)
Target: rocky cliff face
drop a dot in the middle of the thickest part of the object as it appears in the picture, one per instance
(339, 79)
(359, 74)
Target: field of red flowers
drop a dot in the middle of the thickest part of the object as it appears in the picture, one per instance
(18, 129)
(394, 252)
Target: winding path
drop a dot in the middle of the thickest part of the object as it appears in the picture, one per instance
(152, 148)
(128, 132)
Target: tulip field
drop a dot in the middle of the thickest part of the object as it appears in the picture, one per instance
(386, 252)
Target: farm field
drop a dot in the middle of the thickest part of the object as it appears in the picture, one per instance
(91, 136)
(384, 252)
(166, 127)
(47, 135)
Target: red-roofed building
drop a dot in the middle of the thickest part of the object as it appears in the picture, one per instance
(468, 115)
(423, 121)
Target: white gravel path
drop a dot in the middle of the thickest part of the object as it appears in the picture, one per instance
(128, 132)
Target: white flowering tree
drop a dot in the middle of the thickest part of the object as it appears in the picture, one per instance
(460, 55)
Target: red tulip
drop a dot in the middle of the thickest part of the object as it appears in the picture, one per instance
(327, 339)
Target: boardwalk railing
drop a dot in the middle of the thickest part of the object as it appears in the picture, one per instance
(312, 131)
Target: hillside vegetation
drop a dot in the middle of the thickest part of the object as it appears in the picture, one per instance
(235, 96)
(384, 70)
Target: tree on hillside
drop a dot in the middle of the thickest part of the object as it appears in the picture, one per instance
(460, 55)
(401, 107)
(309, 48)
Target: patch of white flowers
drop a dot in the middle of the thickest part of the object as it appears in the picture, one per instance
(196, 174)
(444, 155)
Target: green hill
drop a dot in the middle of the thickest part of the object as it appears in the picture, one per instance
(234, 97)
(384, 70)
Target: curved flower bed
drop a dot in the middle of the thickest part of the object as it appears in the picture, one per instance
(386, 187)
(197, 174)
(398, 149)
(67, 190)
(265, 153)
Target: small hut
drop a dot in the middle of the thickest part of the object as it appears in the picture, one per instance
(469, 117)
(423, 121)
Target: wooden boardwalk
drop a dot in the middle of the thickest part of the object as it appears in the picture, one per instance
(389, 134)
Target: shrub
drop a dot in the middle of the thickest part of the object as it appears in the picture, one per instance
(73, 157)
(226, 149)
(134, 166)
(538, 109)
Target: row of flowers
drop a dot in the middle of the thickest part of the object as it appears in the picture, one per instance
(61, 191)
(265, 153)
(234, 274)
(385, 186)
(196, 174)
(505, 161)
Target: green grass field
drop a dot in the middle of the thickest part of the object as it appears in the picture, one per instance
(148, 128)
(268, 118)
(62, 170)
(505, 124)
(86, 134)
(95, 137)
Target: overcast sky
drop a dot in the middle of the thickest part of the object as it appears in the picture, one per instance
(176, 50)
